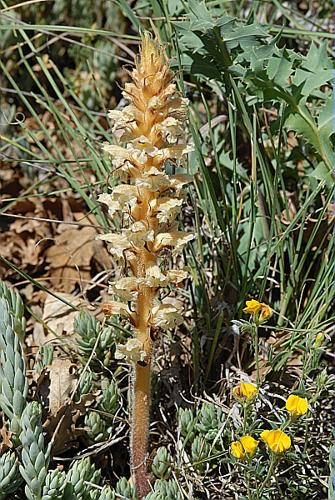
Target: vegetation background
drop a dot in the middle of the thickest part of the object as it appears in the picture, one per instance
(258, 76)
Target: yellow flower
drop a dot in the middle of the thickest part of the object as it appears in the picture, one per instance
(319, 339)
(237, 450)
(245, 447)
(253, 307)
(296, 406)
(277, 440)
(245, 391)
(249, 445)
(265, 314)
(259, 309)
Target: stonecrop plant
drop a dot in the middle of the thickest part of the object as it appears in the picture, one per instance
(150, 132)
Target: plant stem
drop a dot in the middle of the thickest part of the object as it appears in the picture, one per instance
(255, 341)
(140, 428)
(141, 392)
(268, 476)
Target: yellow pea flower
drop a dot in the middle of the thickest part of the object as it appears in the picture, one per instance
(249, 444)
(245, 392)
(254, 307)
(245, 447)
(277, 440)
(296, 406)
(319, 339)
(265, 314)
(237, 450)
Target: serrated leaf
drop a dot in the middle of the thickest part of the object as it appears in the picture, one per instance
(317, 58)
(322, 173)
(279, 69)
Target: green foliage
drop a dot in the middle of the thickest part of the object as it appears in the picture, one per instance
(81, 473)
(35, 455)
(13, 381)
(85, 383)
(97, 427)
(165, 490)
(125, 489)
(16, 309)
(107, 493)
(44, 357)
(186, 423)
(110, 398)
(209, 420)
(10, 478)
(200, 453)
(55, 485)
(161, 464)
(93, 336)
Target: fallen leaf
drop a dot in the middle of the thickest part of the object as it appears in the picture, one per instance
(61, 428)
(6, 439)
(57, 318)
(71, 258)
(62, 383)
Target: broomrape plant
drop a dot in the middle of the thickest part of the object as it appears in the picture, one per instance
(151, 132)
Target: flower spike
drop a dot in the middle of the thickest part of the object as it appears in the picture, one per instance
(150, 131)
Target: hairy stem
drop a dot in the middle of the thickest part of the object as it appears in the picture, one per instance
(141, 394)
(140, 428)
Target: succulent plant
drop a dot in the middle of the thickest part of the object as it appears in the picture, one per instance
(186, 422)
(209, 420)
(13, 381)
(15, 308)
(97, 427)
(161, 464)
(165, 490)
(87, 326)
(54, 486)
(81, 473)
(35, 455)
(10, 478)
(125, 489)
(110, 399)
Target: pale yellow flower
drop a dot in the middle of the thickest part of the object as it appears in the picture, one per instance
(125, 288)
(296, 406)
(167, 314)
(319, 339)
(118, 243)
(245, 391)
(237, 450)
(175, 239)
(277, 440)
(116, 308)
(132, 351)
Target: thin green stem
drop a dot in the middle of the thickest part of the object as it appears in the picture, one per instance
(273, 463)
(256, 351)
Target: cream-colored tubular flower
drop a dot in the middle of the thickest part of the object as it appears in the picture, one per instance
(150, 131)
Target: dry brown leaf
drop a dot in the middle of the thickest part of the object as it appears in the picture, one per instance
(62, 383)
(61, 428)
(5, 439)
(57, 318)
(71, 258)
